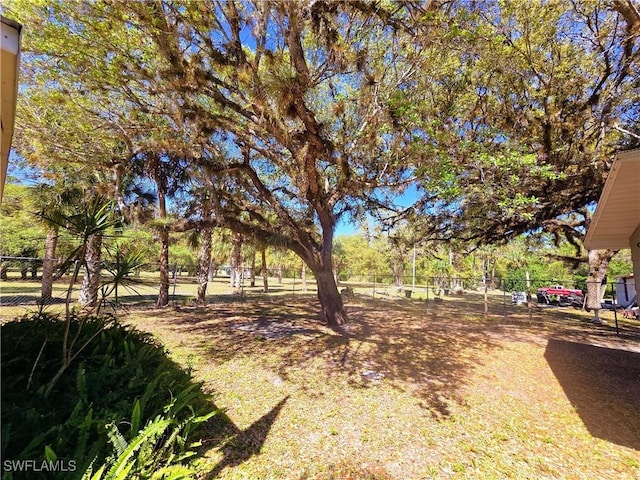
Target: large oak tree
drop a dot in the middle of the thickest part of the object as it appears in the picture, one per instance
(505, 112)
(295, 92)
(537, 99)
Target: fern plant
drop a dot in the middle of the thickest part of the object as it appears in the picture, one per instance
(122, 378)
(158, 451)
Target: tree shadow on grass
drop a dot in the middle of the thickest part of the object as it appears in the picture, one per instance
(603, 384)
(425, 353)
(429, 352)
(244, 444)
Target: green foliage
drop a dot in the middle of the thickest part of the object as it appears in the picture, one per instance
(620, 265)
(122, 266)
(541, 275)
(123, 378)
(282, 259)
(183, 256)
(513, 126)
(93, 216)
(357, 256)
(441, 262)
(20, 235)
(502, 115)
(152, 452)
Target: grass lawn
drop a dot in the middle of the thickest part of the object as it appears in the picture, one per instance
(416, 391)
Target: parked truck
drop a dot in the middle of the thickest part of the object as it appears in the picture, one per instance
(561, 296)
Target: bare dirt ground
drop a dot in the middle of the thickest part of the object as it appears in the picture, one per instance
(414, 391)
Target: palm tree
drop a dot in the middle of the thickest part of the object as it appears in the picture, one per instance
(53, 202)
(88, 222)
(202, 239)
(91, 218)
(92, 264)
(169, 173)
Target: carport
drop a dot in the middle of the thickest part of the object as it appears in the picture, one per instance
(616, 221)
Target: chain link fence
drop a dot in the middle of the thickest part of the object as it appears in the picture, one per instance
(21, 288)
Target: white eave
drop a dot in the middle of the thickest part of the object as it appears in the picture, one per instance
(618, 213)
(9, 60)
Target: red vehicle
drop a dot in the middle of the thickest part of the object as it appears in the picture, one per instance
(560, 295)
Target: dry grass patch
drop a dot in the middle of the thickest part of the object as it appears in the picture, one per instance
(414, 391)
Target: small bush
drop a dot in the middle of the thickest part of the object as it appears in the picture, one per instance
(117, 387)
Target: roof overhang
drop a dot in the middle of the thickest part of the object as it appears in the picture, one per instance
(9, 60)
(618, 213)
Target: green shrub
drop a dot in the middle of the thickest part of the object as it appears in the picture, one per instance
(118, 386)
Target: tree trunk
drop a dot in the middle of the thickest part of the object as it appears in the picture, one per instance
(328, 293)
(329, 296)
(598, 263)
(163, 290)
(493, 275)
(88, 297)
(303, 277)
(321, 264)
(213, 270)
(118, 173)
(253, 268)
(204, 263)
(236, 263)
(48, 265)
(398, 272)
(265, 272)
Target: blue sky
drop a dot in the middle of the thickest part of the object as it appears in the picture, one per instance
(23, 174)
(404, 200)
